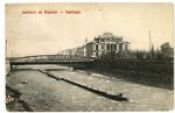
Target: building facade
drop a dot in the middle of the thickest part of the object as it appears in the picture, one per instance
(106, 43)
(69, 51)
(79, 51)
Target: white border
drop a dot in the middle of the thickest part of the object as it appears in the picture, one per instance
(2, 33)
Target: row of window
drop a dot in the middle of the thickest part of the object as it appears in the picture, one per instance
(109, 47)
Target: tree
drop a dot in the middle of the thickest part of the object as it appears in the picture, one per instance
(167, 51)
(140, 55)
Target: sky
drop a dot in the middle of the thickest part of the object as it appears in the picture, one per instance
(36, 34)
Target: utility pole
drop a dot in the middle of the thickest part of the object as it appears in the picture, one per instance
(85, 47)
(6, 47)
(86, 40)
(150, 44)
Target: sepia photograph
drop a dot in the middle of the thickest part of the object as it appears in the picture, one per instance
(84, 57)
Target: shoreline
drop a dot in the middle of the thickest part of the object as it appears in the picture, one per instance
(149, 79)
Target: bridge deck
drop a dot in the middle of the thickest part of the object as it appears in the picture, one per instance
(50, 59)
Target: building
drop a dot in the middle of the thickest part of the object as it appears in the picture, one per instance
(69, 51)
(81, 51)
(106, 43)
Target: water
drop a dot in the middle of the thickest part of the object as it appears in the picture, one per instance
(43, 93)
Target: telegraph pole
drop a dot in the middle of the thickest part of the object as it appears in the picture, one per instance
(150, 44)
(6, 47)
(85, 47)
(86, 40)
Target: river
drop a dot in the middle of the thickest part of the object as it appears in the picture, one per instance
(43, 93)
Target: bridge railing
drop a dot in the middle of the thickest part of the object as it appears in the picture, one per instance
(52, 58)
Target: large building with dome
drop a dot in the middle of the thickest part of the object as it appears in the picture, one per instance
(107, 43)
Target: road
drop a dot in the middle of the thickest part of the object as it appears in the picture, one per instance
(44, 93)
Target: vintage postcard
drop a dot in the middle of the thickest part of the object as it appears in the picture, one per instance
(89, 57)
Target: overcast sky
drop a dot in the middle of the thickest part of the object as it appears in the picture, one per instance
(34, 34)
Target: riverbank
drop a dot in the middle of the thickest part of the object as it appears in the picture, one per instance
(140, 77)
(13, 101)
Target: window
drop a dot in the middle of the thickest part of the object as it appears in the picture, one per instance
(96, 47)
(97, 55)
(102, 46)
(120, 46)
(108, 47)
(114, 47)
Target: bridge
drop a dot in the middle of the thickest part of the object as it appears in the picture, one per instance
(71, 60)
